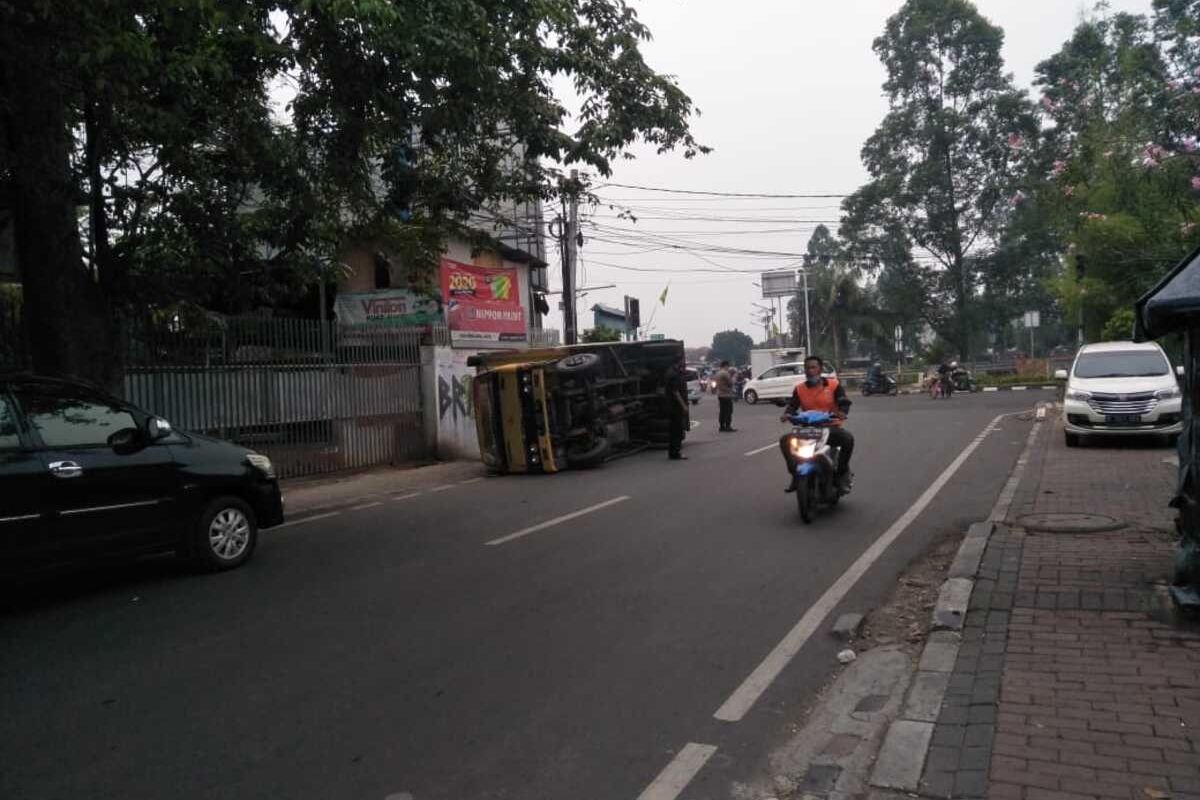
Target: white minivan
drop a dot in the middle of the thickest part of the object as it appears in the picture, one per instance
(1121, 389)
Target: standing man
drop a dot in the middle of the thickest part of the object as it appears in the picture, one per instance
(677, 412)
(725, 395)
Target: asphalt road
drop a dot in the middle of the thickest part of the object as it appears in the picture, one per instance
(390, 652)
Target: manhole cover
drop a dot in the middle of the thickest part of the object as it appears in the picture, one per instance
(1067, 522)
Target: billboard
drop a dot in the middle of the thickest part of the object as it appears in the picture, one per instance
(779, 284)
(483, 304)
(387, 308)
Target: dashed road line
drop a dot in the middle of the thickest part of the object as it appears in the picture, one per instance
(558, 520)
(408, 496)
(366, 505)
(303, 520)
(678, 774)
(469, 481)
(763, 449)
(445, 488)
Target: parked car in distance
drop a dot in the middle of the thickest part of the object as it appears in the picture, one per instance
(778, 382)
(695, 385)
(1121, 389)
(86, 477)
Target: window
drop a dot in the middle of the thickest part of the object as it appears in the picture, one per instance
(10, 434)
(72, 420)
(1121, 364)
(773, 372)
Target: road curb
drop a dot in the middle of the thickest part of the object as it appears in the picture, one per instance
(908, 740)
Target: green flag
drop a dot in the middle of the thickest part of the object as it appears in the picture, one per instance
(662, 298)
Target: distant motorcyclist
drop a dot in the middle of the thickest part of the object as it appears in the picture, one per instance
(817, 393)
(875, 373)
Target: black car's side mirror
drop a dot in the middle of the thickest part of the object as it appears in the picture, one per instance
(126, 440)
(157, 428)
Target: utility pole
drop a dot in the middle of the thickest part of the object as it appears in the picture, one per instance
(807, 330)
(567, 245)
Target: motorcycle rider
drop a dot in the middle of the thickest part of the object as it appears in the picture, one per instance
(817, 393)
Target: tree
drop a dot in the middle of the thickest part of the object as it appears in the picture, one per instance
(732, 346)
(945, 160)
(839, 306)
(601, 334)
(408, 116)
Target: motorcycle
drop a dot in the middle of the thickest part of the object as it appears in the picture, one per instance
(962, 380)
(816, 462)
(942, 386)
(885, 384)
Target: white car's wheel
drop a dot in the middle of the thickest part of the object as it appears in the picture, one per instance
(750, 396)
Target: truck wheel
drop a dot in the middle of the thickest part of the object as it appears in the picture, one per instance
(578, 364)
(592, 457)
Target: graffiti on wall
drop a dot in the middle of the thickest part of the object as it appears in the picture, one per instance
(454, 396)
(456, 437)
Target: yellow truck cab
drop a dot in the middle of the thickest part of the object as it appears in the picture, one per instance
(548, 409)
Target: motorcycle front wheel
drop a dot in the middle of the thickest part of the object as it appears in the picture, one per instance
(805, 497)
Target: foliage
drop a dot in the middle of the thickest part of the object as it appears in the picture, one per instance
(945, 160)
(732, 346)
(1119, 326)
(406, 118)
(601, 334)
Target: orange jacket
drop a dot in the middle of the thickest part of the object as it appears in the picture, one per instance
(828, 396)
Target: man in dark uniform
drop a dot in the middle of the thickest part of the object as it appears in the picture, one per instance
(676, 399)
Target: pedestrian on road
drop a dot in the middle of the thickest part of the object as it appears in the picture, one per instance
(725, 394)
(677, 412)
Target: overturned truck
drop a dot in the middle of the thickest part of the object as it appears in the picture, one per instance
(575, 406)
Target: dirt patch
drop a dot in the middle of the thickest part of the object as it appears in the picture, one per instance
(907, 614)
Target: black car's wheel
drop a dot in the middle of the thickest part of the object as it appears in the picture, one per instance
(750, 396)
(805, 498)
(225, 535)
(1072, 439)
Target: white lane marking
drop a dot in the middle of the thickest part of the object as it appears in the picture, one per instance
(744, 696)
(1020, 388)
(679, 773)
(445, 488)
(991, 388)
(366, 505)
(558, 520)
(406, 496)
(1004, 501)
(313, 518)
(762, 449)
(469, 482)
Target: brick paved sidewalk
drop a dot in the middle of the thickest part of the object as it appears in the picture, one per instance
(1074, 679)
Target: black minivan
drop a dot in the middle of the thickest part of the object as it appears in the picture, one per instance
(85, 477)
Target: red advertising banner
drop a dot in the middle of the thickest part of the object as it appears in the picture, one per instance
(483, 304)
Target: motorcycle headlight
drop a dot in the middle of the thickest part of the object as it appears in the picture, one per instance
(1077, 394)
(803, 448)
(1168, 394)
(261, 463)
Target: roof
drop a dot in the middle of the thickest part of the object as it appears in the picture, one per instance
(1109, 347)
(616, 312)
(1169, 305)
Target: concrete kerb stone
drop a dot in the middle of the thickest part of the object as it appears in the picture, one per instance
(950, 612)
(970, 552)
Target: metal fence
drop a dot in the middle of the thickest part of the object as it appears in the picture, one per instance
(314, 397)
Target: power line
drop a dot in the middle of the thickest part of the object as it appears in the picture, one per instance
(725, 194)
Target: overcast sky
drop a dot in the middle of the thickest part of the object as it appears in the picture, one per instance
(788, 90)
